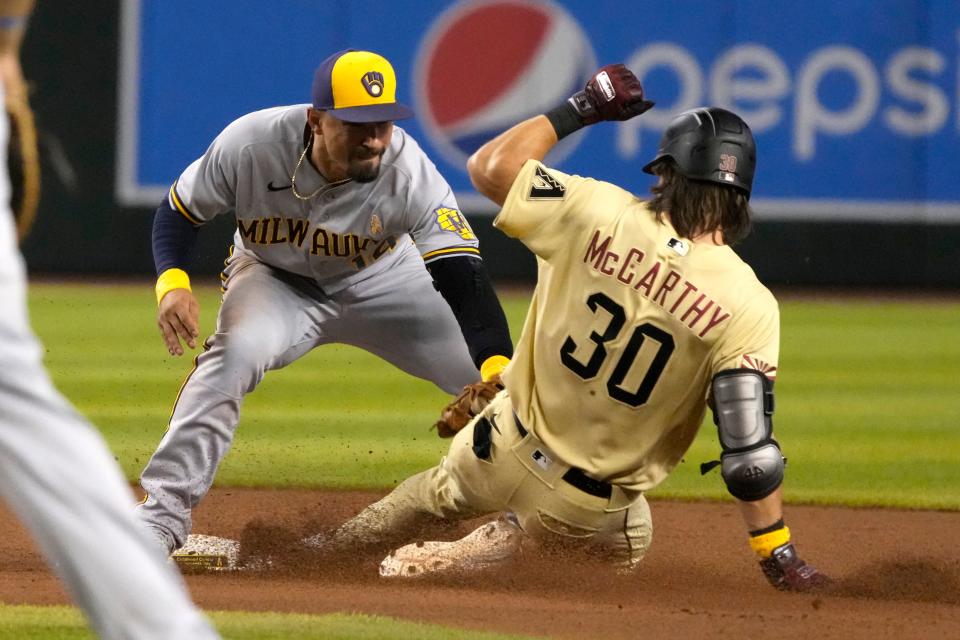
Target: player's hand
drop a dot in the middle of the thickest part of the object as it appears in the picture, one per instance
(787, 572)
(613, 93)
(179, 318)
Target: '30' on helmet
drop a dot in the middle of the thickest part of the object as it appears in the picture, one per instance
(710, 144)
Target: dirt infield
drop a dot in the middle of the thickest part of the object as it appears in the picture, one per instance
(898, 576)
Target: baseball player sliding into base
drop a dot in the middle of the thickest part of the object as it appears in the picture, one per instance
(346, 233)
(56, 473)
(642, 318)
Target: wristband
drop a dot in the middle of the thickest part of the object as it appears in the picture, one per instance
(565, 120)
(493, 366)
(169, 280)
(13, 23)
(765, 543)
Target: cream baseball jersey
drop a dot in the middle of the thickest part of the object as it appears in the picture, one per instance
(348, 231)
(627, 327)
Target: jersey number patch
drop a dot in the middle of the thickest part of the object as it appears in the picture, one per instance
(591, 367)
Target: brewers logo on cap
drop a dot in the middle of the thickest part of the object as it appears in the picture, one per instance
(373, 83)
(358, 86)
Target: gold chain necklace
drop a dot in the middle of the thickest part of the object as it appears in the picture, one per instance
(293, 178)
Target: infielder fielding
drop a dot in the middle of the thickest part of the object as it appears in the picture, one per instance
(346, 233)
(55, 471)
(642, 317)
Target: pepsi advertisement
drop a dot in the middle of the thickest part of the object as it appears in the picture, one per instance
(855, 105)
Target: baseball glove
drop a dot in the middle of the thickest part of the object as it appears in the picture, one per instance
(471, 401)
(23, 160)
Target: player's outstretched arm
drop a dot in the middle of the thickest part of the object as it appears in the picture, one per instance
(752, 467)
(613, 93)
(178, 312)
(495, 165)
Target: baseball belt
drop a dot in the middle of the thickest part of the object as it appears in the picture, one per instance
(574, 476)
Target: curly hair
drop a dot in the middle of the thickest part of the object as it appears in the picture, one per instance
(696, 207)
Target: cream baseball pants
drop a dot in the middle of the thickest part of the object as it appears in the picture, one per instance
(494, 465)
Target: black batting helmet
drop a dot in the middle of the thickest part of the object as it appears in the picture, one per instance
(710, 144)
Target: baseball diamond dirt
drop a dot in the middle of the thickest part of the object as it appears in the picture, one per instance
(897, 572)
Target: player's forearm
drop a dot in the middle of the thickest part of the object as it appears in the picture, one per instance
(13, 23)
(764, 521)
(174, 239)
(758, 514)
(771, 541)
(464, 284)
(14, 15)
(495, 165)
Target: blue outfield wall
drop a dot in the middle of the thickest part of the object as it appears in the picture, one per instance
(855, 104)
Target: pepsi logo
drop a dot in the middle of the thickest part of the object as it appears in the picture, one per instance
(485, 66)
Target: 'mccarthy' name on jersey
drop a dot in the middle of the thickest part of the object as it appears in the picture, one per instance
(674, 293)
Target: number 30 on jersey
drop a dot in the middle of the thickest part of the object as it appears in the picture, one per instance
(591, 367)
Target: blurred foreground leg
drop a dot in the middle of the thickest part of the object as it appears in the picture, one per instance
(61, 480)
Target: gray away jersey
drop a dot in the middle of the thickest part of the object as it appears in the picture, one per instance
(349, 231)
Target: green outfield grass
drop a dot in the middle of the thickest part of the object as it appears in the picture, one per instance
(867, 400)
(66, 623)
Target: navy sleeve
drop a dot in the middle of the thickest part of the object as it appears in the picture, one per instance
(174, 239)
(465, 285)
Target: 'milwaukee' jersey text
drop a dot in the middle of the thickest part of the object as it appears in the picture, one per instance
(359, 250)
(627, 327)
(340, 232)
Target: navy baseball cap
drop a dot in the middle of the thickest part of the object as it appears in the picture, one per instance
(358, 86)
